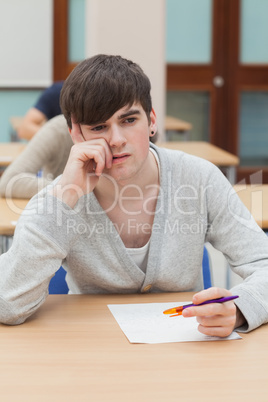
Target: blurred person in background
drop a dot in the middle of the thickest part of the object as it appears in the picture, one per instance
(46, 107)
(48, 151)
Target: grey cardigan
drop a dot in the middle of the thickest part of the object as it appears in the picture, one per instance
(196, 204)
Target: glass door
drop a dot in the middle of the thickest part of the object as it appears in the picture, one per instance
(253, 89)
(217, 75)
(196, 65)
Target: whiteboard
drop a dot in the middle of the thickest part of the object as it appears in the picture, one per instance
(26, 43)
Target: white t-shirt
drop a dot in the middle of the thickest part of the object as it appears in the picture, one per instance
(140, 255)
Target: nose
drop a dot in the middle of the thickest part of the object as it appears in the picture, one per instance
(117, 137)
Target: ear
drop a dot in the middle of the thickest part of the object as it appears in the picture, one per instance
(153, 124)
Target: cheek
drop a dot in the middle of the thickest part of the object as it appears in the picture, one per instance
(143, 146)
(143, 138)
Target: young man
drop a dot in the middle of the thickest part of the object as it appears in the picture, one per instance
(127, 216)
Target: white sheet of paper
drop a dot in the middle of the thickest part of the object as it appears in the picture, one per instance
(146, 323)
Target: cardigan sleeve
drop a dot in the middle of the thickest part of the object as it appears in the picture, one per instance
(20, 179)
(233, 231)
(40, 245)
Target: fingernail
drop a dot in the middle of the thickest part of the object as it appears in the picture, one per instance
(186, 313)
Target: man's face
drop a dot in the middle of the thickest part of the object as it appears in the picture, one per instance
(127, 135)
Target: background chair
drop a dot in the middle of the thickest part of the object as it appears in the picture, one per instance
(206, 270)
(58, 283)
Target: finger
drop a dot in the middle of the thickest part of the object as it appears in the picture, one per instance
(96, 150)
(210, 310)
(87, 157)
(101, 142)
(105, 157)
(108, 153)
(96, 154)
(217, 321)
(76, 133)
(215, 331)
(100, 162)
(210, 293)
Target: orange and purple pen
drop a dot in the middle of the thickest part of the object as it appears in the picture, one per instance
(178, 310)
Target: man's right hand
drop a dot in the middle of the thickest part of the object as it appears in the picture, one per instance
(86, 163)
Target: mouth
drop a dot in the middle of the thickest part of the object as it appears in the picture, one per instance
(120, 158)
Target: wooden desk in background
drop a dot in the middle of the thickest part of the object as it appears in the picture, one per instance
(179, 126)
(255, 198)
(210, 152)
(72, 349)
(9, 151)
(10, 210)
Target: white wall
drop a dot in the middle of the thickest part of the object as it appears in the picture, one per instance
(26, 43)
(135, 30)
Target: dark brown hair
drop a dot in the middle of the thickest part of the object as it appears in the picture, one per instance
(101, 85)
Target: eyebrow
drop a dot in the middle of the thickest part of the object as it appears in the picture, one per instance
(129, 113)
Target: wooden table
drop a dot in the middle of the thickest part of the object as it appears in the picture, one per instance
(178, 125)
(207, 151)
(9, 151)
(72, 349)
(255, 198)
(10, 210)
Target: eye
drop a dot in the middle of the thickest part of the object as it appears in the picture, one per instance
(130, 120)
(97, 128)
